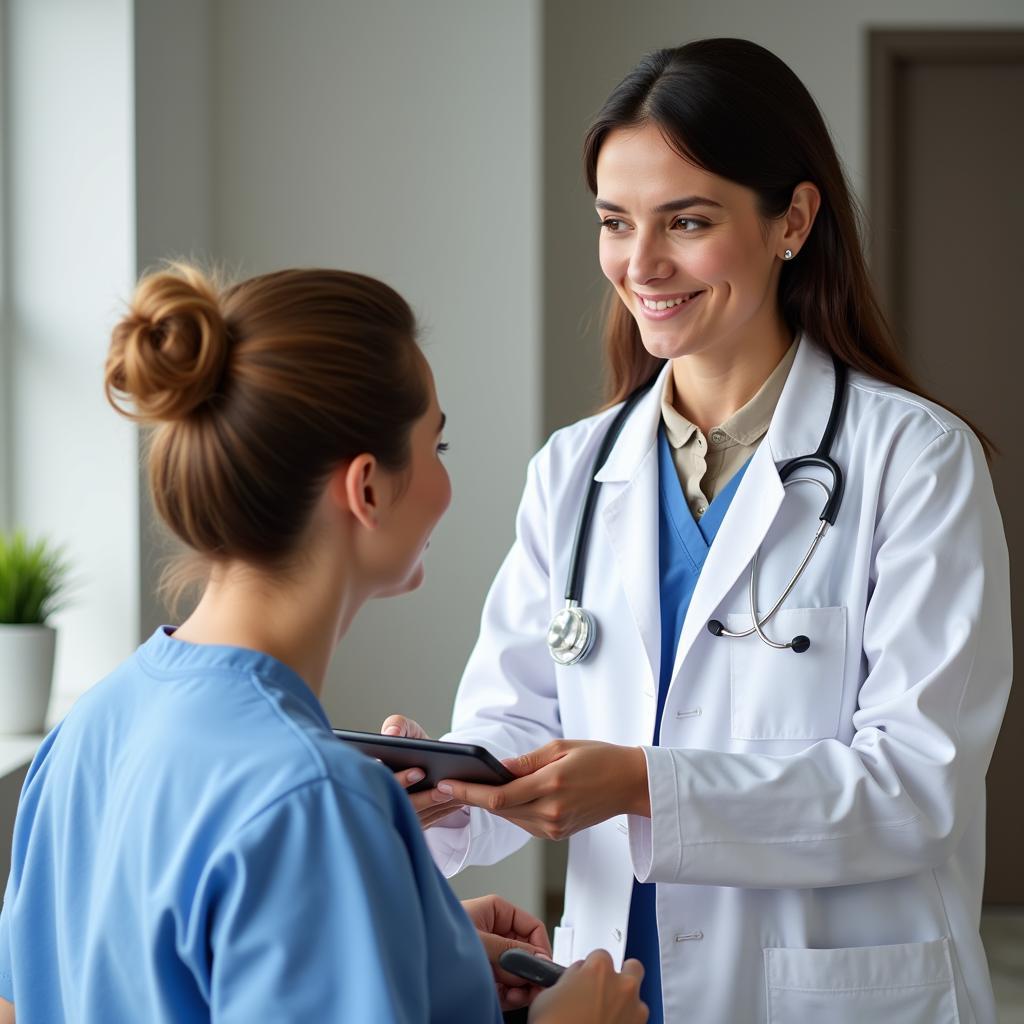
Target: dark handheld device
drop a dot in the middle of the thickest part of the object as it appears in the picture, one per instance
(439, 759)
(533, 968)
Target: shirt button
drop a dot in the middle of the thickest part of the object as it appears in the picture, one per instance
(718, 436)
(701, 509)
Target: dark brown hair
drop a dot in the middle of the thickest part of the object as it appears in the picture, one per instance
(257, 392)
(734, 109)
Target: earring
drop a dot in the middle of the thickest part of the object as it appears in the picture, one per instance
(788, 254)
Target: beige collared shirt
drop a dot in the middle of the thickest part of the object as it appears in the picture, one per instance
(706, 464)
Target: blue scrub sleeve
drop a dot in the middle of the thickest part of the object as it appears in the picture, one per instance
(315, 913)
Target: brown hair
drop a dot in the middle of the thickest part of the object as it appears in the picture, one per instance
(736, 110)
(257, 392)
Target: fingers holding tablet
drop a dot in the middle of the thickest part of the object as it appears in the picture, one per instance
(408, 755)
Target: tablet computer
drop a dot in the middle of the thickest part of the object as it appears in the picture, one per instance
(439, 759)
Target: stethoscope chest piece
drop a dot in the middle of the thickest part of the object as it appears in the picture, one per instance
(571, 634)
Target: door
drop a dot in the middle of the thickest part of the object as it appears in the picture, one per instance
(947, 218)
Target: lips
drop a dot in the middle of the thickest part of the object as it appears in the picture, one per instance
(660, 302)
(662, 307)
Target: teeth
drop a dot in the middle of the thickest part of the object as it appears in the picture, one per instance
(667, 303)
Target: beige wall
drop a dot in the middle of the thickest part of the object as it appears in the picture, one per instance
(589, 45)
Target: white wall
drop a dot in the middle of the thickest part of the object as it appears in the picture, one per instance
(70, 240)
(402, 140)
(173, 140)
(433, 144)
(6, 444)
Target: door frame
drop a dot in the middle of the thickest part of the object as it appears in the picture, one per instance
(891, 52)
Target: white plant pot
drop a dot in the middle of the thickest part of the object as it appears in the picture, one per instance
(26, 677)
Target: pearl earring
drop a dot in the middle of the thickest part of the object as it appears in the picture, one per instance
(788, 254)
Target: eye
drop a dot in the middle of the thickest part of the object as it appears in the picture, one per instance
(442, 447)
(612, 225)
(688, 224)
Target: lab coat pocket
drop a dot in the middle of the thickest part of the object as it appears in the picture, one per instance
(561, 946)
(910, 983)
(781, 695)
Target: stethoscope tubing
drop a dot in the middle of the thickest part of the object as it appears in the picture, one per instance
(574, 582)
(581, 622)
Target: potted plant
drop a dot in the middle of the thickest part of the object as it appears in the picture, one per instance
(33, 584)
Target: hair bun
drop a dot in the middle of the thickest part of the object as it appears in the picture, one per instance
(168, 354)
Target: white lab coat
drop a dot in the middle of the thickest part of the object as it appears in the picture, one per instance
(818, 819)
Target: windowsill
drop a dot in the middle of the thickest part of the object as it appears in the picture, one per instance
(16, 752)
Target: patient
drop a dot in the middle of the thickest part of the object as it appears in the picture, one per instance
(192, 844)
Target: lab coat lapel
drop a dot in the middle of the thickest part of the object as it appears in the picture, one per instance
(753, 509)
(631, 522)
(629, 515)
(796, 429)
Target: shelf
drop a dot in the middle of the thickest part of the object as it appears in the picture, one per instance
(16, 752)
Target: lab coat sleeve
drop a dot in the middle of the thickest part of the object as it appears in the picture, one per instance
(507, 700)
(895, 800)
(320, 910)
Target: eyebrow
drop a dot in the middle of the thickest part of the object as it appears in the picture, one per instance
(444, 420)
(672, 206)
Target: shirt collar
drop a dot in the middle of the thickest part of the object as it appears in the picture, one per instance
(162, 653)
(746, 425)
(678, 429)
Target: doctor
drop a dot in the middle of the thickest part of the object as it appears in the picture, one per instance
(786, 825)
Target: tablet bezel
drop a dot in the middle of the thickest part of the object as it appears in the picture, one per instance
(439, 759)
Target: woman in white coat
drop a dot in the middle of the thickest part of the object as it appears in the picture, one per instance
(780, 834)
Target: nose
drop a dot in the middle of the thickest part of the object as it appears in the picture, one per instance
(648, 260)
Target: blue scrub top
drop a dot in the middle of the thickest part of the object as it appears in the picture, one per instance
(683, 546)
(193, 844)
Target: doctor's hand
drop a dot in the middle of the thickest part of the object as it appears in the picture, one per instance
(430, 805)
(564, 787)
(502, 925)
(590, 990)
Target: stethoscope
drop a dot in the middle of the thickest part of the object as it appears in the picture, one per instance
(573, 630)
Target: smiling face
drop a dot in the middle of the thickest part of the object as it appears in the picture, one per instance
(687, 251)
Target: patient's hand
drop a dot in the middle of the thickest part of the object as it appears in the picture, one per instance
(502, 925)
(431, 805)
(591, 990)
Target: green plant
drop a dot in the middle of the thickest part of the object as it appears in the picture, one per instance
(33, 579)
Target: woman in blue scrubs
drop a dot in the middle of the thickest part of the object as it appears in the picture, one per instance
(192, 843)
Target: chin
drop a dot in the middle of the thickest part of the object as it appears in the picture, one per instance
(405, 586)
(673, 344)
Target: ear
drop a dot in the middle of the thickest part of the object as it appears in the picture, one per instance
(799, 218)
(356, 486)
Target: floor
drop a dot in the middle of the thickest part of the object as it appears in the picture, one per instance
(1002, 931)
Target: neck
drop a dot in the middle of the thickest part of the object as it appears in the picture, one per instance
(297, 619)
(713, 384)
